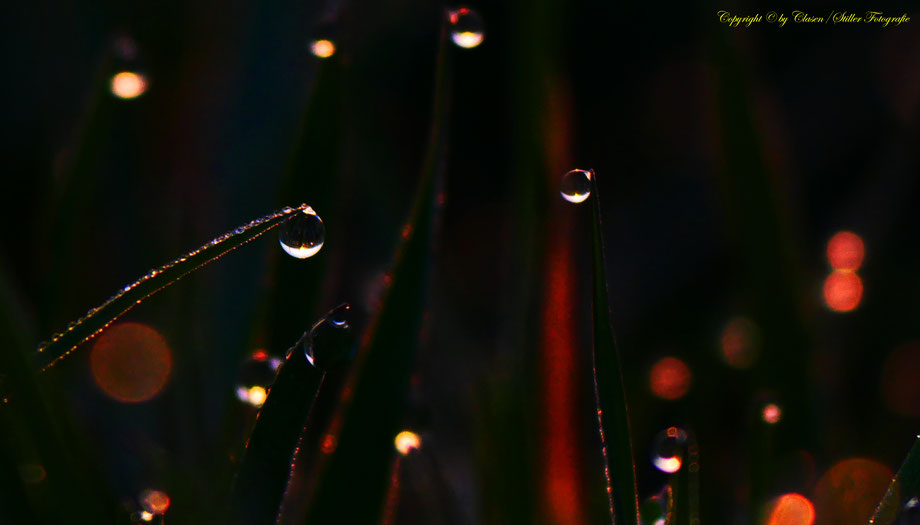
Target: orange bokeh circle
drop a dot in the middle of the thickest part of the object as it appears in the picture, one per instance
(848, 492)
(131, 362)
(843, 291)
(670, 378)
(845, 251)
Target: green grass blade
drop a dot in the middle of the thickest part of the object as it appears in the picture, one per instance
(612, 412)
(265, 466)
(371, 416)
(906, 483)
(98, 318)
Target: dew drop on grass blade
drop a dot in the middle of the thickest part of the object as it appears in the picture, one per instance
(97, 319)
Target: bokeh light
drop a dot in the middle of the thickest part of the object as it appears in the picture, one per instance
(845, 251)
(407, 441)
(322, 48)
(154, 501)
(254, 395)
(128, 85)
(771, 413)
(670, 378)
(899, 384)
(740, 342)
(131, 362)
(848, 492)
(843, 291)
(791, 509)
(329, 444)
(32, 473)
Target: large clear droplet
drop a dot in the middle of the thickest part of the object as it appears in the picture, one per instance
(331, 341)
(576, 186)
(668, 450)
(466, 28)
(303, 234)
(256, 376)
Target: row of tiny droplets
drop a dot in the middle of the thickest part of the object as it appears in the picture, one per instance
(153, 273)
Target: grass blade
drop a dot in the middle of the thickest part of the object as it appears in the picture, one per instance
(371, 415)
(612, 412)
(62, 344)
(685, 485)
(906, 483)
(265, 467)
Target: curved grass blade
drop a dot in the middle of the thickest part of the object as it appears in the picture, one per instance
(906, 484)
(371, 415)
(265, 467)
(85, 328)
(612, 411)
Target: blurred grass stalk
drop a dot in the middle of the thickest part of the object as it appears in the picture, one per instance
(372, 408)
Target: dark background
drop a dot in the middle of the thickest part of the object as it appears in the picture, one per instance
(727, 157)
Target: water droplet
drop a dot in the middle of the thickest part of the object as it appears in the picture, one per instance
(576, 186)
(466, 27)
(303, 234)
(910, 512)
(668, 450)
(654, 510)
(331, 341)
(256, 377)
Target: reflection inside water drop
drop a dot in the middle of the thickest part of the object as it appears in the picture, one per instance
(576, 186)
(668, 450)
(466, 28)
(303, 234)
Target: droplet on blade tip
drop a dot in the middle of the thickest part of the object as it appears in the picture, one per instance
(576, 186)
(303, 234)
